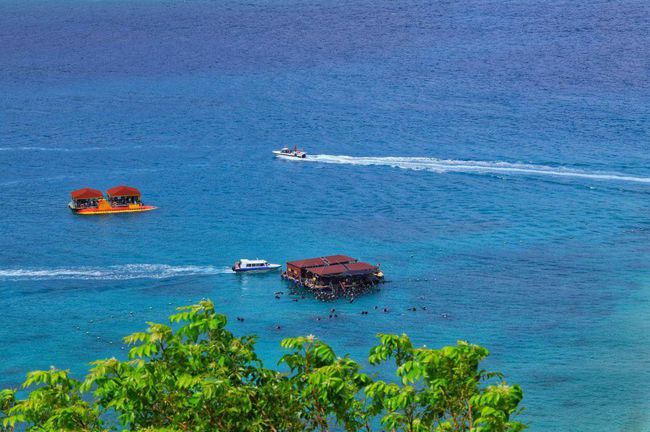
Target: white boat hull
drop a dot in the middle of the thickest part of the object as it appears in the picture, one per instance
(279, 154)
(270, 267)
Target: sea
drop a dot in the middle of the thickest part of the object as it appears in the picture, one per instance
(492, 156)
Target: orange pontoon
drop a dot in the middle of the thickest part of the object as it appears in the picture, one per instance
(121, 199)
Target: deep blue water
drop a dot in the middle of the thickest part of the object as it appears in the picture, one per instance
(492, 156)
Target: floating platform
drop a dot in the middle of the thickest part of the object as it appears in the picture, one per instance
(121, 199)
(334, 276)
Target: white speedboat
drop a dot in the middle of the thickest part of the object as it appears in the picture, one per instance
(256, 265)
(288, 153)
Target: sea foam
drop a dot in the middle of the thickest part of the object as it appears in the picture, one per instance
(84, 148)
(478, 167)
(116, 272)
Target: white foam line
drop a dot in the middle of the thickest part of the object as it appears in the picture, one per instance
(479, 167)
(84, 149)
(117, 272)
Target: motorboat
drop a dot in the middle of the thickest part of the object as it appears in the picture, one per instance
(256, 265)
(288, 153)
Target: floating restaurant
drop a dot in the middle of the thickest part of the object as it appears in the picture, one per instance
(121, 199)
(333, 276)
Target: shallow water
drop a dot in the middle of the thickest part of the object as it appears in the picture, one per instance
(493, 157)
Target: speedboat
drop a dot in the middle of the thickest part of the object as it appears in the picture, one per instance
(256, 265)
(288, 153)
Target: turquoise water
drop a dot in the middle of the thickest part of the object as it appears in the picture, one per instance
(492, 157)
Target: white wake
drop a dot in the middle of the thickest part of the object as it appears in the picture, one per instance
(117, 272)
(84, 149)
(478, 167)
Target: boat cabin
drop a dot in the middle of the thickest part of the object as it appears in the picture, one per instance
(123, 196)
(85, 198)
(245, 263)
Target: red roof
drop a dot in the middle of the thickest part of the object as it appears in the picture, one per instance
(86, 193)
(322, 261)
(355, 268)
(123, 191)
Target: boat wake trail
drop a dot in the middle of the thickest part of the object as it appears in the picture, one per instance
(83, 149)
(477, 167)
(117, 272)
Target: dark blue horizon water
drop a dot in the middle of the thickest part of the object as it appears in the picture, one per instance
(492, 156)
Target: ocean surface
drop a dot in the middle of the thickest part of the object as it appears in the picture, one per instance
(492, 156)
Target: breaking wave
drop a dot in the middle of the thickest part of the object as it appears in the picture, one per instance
(478, 167)
(117, 272)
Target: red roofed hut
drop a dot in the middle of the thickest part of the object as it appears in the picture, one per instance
(123, 195)
(298, 269)
(85, 198)
(86, 193)
(343, 270)
(333, 276)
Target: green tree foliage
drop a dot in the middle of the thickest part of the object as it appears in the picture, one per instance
(55, 404)
(198, 376)
(441, 390)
